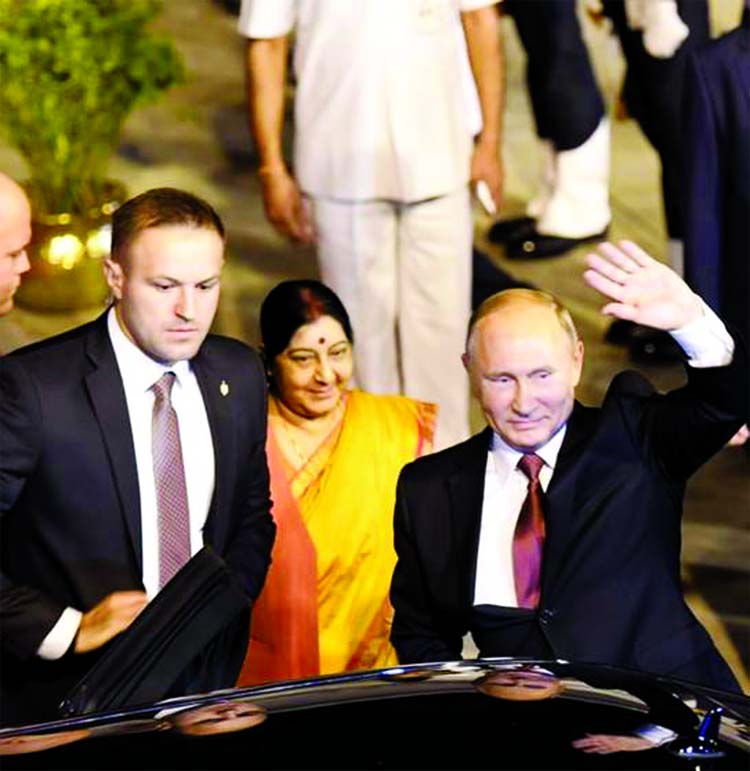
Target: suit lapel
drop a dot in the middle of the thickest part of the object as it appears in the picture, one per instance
(561, 514)
(107, 395)
(742, 71)
(216, 390)
(466, 491)
(580, 427)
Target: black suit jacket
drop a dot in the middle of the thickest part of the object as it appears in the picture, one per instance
(611, 568)
(717, 167)
(69, 499)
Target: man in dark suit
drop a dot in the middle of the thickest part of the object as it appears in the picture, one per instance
(127, 445)
(580, 560)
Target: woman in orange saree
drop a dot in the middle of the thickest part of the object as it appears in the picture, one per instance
(334, 456)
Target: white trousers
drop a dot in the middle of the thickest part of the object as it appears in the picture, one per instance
(572, 199)
(403, 271)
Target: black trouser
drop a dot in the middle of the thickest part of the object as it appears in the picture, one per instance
(653, 94)
(564, 95)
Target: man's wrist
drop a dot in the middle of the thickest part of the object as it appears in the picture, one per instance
(695, 312)
(489, 140)
(62, 635)
(273, 169)
(705, 339)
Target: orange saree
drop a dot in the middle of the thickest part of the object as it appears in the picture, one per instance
(324, 607)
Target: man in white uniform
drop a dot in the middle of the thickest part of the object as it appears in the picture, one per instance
(388, 136)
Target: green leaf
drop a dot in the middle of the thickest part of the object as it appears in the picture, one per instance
(70, 73)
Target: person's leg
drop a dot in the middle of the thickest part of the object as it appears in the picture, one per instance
(546, 184)
(578, 209)
(564, 94)
(572, 202)
(568, 108)
(435, 239)
(357, 258)
(653, 93)
(579, 204)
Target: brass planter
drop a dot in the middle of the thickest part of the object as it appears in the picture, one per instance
(66, 254)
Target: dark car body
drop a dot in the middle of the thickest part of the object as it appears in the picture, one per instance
(470, 714)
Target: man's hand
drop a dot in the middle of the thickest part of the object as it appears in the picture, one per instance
(740, 437)
(285, 207)
(108, 618)
(606, 744)
(643, 290)
(485, 165)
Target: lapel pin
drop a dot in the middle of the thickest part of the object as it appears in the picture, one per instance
(223, 388)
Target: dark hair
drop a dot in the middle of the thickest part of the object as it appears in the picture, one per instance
(292, 304)
(157, 207)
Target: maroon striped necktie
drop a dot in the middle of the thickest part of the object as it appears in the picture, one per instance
(528, 539)
(169, 478)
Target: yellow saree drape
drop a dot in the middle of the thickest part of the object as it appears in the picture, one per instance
(324, 607)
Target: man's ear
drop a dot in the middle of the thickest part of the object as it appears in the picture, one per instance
(114, 276)
(578, 354)
(473, 385)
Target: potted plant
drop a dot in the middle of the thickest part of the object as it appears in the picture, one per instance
(70, 73)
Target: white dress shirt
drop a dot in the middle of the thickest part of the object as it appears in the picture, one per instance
(139, 372)
(385, 106)
(505, 488)
(707, 344)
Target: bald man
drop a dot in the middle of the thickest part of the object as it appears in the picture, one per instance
(15, 234)
(555, 533)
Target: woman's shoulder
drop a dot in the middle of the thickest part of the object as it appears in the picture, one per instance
(391, 415)
(390, 402)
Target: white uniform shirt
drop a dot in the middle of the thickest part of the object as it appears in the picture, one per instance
(386, 105)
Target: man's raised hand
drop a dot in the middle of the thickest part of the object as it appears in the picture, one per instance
(640, 288)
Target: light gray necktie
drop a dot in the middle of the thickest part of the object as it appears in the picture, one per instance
(169, 478)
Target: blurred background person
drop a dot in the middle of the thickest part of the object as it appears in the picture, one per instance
(388, 135)
(717, 189)
(334, 455)
(15, 234)
(657, 38)
(571, 205)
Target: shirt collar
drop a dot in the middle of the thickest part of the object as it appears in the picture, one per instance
(137, 369)
(507, 457)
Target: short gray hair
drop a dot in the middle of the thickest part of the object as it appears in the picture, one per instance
(501, 300)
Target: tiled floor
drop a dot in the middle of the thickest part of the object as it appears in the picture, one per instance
(196, 138)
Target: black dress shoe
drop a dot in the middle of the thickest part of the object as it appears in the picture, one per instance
(488, 279)
(503, 230)
(620, 332)
(654, 346)
(532, 244)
